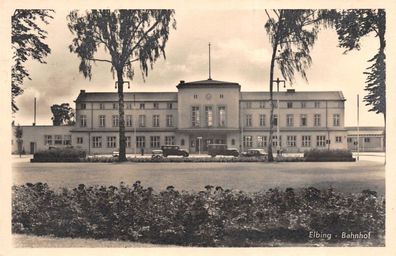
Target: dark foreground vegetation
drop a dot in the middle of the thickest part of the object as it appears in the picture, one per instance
(213, 217)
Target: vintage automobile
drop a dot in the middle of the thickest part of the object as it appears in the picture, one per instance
(173, 150)
(255, 152)
(156, 154)
(222, 149)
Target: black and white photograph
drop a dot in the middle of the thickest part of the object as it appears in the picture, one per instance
(197, 126)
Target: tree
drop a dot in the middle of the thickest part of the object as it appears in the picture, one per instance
(27, 40)
(128, 36)
(18, 132)
(63, 114)
(292, 34)
(351, 26)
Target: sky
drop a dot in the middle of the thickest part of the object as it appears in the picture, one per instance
(240, 52)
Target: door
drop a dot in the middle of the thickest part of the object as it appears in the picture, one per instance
(32, 147)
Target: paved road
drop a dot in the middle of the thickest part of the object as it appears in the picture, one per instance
(347, 177)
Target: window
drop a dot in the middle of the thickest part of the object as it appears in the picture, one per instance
(320, 141)
(115, 106)
(336, 119)
(48, 140)
(80, 140)
(115, 120)
(275, 120)
(129, 120)
(156, 121)
(291, 141)
(290, 105)
(262, 120)
(303, 120)
(97, 142)
(275, 103)
(83, 121)
(367, 140)
(140, 141)
(233, 142)
(317, 104)
(222, 117)
(262, 104)
(248, 105)
(169, 120)
(83, 106)
(182, 142)
(129, 106)
(67, 140)
(169, 106)
(102, 121)
(247, 141)
(209, 116)
(195, 96)
(306, 141)
(261, 141)
(195, 118)
(338, 139)
(128, 141)
(169, 140)
(111, 141)
(275, 141)
(155, 141)
(248, 120)
(141, 106)
(303, 104)
(142, 121)
(101, 106)
(221, 96)
(317, 120)
(289, 120)
(58, 140)
(156, 105)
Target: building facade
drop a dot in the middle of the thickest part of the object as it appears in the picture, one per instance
(205, 112)
(371, 138)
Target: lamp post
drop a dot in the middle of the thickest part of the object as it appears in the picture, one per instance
(277, 81)
(135, 123)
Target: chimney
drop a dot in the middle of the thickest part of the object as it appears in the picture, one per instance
(182, 81)
(82, 91)
(291, 90)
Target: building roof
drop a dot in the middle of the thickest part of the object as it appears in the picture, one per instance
(293, 95)
(206, 83)
(128, 96)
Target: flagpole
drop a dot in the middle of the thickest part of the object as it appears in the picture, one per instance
(358, 139)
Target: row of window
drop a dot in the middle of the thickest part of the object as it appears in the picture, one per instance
(290, 120)
(209, 120)
(291, 141)
(111, 141)
(289, 104)
(366, 139)
(50, 140)
(154, 105)
(128, 121)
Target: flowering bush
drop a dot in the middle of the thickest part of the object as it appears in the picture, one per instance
(212, 217)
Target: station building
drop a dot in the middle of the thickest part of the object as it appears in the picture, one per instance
(198, 114)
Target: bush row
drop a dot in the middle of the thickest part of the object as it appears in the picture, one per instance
(320, 155)
(59, 155)
(212, 217)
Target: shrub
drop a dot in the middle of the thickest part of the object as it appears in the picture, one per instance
(59, 155)
(318, 155)
(212, 217)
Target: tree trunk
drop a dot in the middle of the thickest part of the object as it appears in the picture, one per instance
(271, 85)
(381, 36)
(121, 120)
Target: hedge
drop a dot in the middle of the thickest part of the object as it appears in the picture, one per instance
(59, 155)
(212, 217)
(322, 155)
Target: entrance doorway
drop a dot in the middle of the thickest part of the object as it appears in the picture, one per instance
(32, 147)
(200, 143)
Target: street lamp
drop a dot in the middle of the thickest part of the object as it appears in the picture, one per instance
(277, 81)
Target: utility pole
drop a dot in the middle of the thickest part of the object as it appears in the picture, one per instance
(277, 81)
(358, 139)
(210, 77)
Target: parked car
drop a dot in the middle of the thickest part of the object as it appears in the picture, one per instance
(115, 153)
(173, 150)
(255, 152)
(222, 149)
(157, 154)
